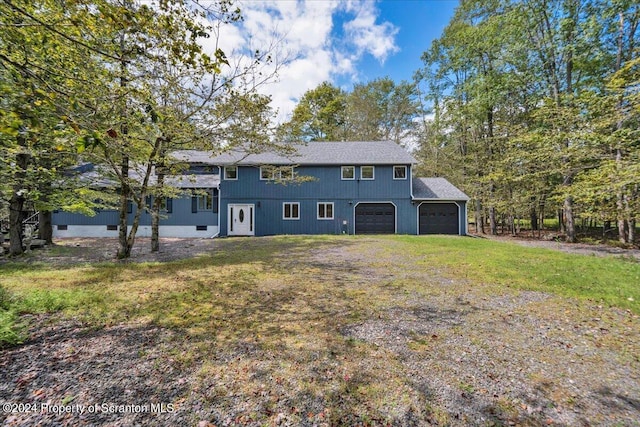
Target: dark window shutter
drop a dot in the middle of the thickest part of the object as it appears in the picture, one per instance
(148, 202)
(194, 204)
(215, 200)
(169, 205)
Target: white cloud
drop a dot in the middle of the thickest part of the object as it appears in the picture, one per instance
(306, 30)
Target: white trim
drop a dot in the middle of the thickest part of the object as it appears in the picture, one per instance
(292, 218)
(395, 214)
(342, 173)
(265, 179)
(185, 231)
(373, 173)
(225, 173)
(325, 211)
(405, 172)
(439, 202)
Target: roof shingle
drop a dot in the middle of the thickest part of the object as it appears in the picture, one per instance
(311, 153)
(436, 188)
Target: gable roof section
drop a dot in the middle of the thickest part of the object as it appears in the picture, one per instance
(436, 189)
(311, 153)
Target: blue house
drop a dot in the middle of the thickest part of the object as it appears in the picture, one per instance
(322, 188)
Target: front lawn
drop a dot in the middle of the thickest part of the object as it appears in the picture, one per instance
(344, 330)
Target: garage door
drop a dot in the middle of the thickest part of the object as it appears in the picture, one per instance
(375, 218)
(439, 218)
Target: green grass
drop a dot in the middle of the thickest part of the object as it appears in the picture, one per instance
(252, 279)
(610, 280)
(274, 314)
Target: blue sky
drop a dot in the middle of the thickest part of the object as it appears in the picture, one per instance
(340, 41)
(418, 23)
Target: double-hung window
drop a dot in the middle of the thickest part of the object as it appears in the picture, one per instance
(325, 210)
(291, 210)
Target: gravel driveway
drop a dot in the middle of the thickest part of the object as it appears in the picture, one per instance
(453, 354)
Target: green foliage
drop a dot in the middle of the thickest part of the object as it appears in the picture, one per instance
(373, 111)
(536, 107)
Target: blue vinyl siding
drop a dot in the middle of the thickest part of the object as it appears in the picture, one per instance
(327, 186)
(181, 215)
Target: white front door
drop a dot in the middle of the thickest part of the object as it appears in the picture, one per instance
(241, 220)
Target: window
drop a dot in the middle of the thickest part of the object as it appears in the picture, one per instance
(325, 210)
(112, 227)
(291, 210)
(348, 172)
(399, 172)
(231, 173)
(166, 204)
(266, 173)
(204, 202)
(269, 172)
(367, 172)
(286, 173)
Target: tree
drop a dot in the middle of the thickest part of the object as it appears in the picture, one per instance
(517, 91)
(319, 116)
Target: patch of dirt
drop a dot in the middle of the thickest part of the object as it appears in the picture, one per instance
(92, 374)
(91, 250)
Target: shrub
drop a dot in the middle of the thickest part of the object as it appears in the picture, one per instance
(11, 331)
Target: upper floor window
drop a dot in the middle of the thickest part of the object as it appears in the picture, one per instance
(231, 173)
(367, 172)
(270, 172)
(348, 172)
(399, 172)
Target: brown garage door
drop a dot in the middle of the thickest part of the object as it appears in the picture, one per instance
(439, 218)
(375, 218)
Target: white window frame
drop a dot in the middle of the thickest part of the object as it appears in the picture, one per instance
(373, 173)
(266, 169)
(284, 210)
(226, 171)
(405, 172)
(290, 177)
(325, 217)
(343, 168)
(276, 173)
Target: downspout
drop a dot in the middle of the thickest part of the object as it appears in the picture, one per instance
(219, 204)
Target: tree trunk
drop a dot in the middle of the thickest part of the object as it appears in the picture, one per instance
(157, 201)
(570, 227)
(492, 221)
(561, 225)
(16, 204)
(45, 228)
(124, 250)
(533, 216)
(478, 216)
(16, 216)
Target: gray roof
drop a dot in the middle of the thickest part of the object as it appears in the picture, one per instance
(436, 189)
(102, 177)
(311, 153)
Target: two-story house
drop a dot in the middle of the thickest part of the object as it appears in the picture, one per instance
(323, 188)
